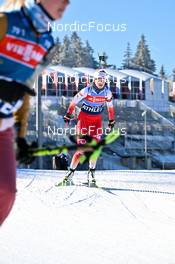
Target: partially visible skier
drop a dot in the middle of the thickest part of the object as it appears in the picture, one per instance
(25, 43)
(93, 99)
(60, 161)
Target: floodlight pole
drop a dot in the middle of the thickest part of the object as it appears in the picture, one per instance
(39, 130)
(102, 60)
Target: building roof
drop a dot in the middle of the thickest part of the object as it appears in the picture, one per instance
(116, 73)
(91, 71)
(85, 70)
(120, 74)
(63, 69)
(138, 74)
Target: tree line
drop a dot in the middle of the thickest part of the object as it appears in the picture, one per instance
(73, 52)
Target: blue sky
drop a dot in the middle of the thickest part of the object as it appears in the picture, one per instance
(154, 18)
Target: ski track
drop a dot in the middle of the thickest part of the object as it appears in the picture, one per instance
(129, 220)
(70, 194)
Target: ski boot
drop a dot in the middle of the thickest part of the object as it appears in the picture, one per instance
(68, 178)
(91, 173)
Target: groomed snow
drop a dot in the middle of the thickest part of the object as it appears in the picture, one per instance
(130, 221)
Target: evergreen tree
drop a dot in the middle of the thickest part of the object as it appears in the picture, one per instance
(162, 72)
(89, 60)
(142, 59)
(66, 57)
(56, 57)
(127, 58)
(74, 53)
(78, 50)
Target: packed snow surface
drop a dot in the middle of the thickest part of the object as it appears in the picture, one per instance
(130, 220)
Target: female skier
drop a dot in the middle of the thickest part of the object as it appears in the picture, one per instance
(93, 98)
(25, 43)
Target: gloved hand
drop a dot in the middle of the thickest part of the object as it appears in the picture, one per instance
(24, 150)
(67, 118)
(111, 124)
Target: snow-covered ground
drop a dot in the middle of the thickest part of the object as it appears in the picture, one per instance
(129, 221)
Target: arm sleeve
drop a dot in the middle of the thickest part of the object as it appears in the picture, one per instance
(21, 117)
(77, 98)
(110, 106)
(3, 25)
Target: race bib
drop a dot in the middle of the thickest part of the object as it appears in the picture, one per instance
(9, 108)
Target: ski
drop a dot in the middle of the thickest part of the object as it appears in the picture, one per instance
(91, 184)
(80, 184)
(92, 149)
(93, 154)
(64, 184)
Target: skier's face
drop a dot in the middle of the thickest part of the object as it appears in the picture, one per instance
(100, 82)
(55, 8)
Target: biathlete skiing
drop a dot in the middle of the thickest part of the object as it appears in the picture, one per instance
(25, 43)
(93, 99)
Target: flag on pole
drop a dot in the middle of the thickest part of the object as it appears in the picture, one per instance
(118, 84)
(55, 79)
(129, 83)
(152, 86)
(118, 88)
(140, 84)
(76, 81)
(163, 86)
(66, 83)
(44, 80)
(173, 88)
